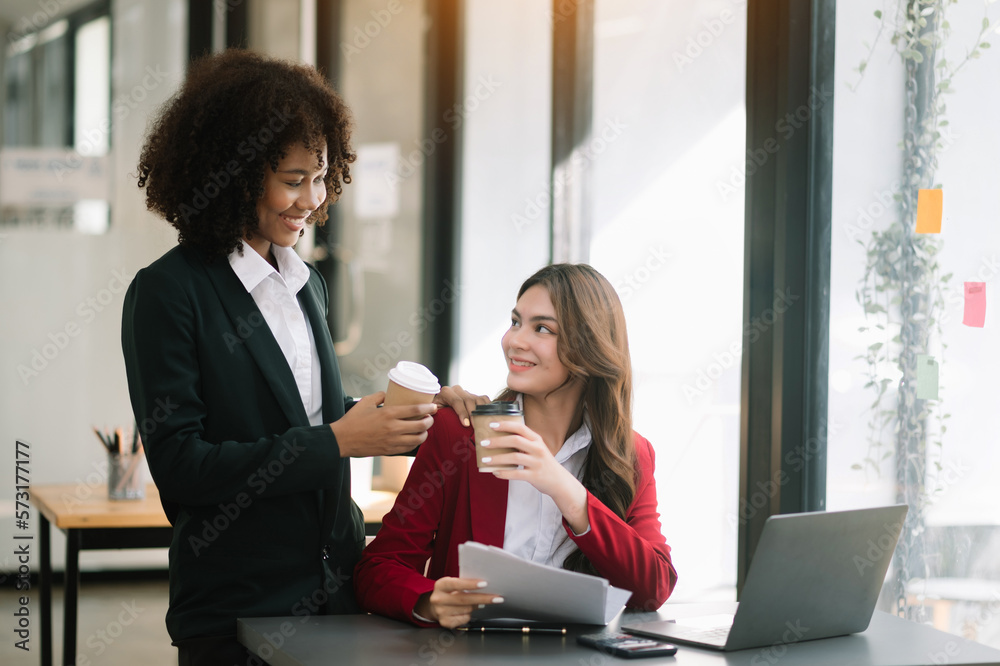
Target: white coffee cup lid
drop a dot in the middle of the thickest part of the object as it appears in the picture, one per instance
(415, 377)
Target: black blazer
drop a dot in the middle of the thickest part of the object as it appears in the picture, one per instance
(260, 501)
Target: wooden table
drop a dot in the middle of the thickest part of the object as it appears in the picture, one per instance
(91, 522)
(374, 505)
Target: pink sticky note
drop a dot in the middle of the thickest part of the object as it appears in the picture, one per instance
(975, 304)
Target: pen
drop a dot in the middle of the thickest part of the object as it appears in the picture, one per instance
(135, 439)
(118, 441)
(516, 630)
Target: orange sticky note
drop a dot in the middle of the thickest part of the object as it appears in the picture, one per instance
(975, 304)
(930, 205)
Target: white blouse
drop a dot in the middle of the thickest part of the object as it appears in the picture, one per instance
(533, 529)
(274, 293)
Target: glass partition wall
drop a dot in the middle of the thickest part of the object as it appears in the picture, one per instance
(913, 415)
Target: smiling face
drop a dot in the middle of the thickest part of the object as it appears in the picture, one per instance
(291, 194)
(530, 346)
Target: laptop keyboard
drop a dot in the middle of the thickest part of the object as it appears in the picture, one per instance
(712, 636)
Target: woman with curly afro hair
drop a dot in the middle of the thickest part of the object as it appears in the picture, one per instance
(231, 370)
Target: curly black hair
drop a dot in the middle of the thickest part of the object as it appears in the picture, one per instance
(236, 114)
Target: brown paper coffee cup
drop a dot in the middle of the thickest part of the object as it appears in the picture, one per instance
(416, 386)
(398, 395)
(411, 384)
(482, 417)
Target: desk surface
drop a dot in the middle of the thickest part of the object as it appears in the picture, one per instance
(369, 639)
(375, 504)
(78, 506)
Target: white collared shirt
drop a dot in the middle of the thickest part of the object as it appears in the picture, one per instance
(274, 292)
(533, 529)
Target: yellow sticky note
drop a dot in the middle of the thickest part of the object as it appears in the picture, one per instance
(930, 205)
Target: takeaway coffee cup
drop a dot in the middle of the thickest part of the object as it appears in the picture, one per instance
(411, 384)
(482, 417)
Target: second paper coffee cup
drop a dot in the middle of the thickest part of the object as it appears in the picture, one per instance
(482, 417)
(411, 384)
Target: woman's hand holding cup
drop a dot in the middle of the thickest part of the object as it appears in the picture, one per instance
(536, 465)
(370, 430)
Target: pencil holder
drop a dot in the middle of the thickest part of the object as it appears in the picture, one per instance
(125, 480)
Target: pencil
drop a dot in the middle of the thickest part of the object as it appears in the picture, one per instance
(104, 442)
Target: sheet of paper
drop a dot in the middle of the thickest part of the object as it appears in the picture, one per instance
(537, 592)
(975, 304)
(927, 377)
(930, 206)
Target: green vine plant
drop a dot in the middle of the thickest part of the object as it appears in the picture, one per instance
(902, 291)
(906, 39)
(880, 300)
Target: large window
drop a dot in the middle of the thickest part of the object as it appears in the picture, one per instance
(912, 405)
(665, 155)
(57, 113)
(667, 150)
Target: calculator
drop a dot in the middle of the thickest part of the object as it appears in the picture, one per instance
(627, 645)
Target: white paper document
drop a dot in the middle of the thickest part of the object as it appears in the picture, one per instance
(538, 592)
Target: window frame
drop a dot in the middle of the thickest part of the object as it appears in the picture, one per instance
(783, 412)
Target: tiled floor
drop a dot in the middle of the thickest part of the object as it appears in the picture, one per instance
(119, 624)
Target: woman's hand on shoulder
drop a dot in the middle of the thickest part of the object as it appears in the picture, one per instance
(461, 401)
(453, 600)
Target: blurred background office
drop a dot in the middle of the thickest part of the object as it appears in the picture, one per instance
(731, 168)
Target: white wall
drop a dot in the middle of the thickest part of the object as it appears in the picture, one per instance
(54, 279)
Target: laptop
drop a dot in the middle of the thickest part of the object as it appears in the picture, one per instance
(813, 575)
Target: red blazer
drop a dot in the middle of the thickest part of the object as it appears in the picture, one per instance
(447, 501)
